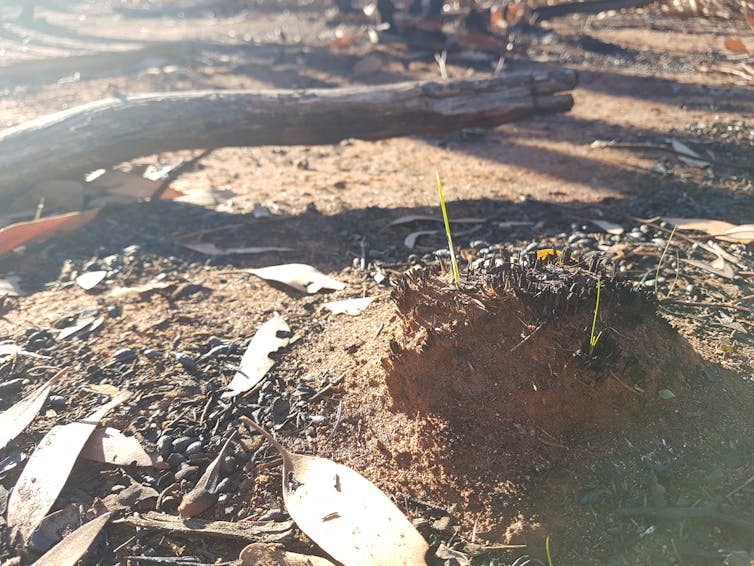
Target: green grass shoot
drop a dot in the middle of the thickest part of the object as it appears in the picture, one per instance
(456, 277)
(592, 338)
(662, 257)
(40, 208)
(547, 551)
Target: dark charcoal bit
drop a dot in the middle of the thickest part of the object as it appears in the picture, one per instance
(164, 445)
(169, 504)
(182, 442)
(226, 485)
(125, 354)
(193, 448)
(152, 354)
(165, 480)
(229, 464)
(280, 409)
(57, 402)
(186, 361)
(11, 387)
(175, 459)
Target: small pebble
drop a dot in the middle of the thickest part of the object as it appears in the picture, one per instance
(175, 459)
(225, 485)
(186, 361)
(691, 289)
(125, 354)
(164, 445)
(182, 442)
(57, 402)
(11, 387)
(649, 283)
(152, 354)
(193, 448)
(229, 464)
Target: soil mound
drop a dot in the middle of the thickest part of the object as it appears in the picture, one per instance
(504, 364)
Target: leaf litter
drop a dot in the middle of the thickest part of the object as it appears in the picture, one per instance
(211, 249)
(70, 550)
(108, 445)
(205, 494)
(344, 513)
(17, 418)
(299, 276)
(351, 307)
(256, 361)
(48, 469)
(22, 233)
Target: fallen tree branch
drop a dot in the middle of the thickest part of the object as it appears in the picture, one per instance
(266, 531)
(107, 132)
(585, 7)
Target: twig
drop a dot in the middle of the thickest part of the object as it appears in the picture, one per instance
(732, 306)
(682, 513)
(624, 384)
(338, 418)
(532, 333)
(740, 487)
(649, 145)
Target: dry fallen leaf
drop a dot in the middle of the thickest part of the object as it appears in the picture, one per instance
(17, 418)
(344, 513)
(212, 249)
(274, 554)
(256, 361)
(69, 550)
(88, 322)
(10, 286)
(298, 276)
(9, 350)
(424, 218)
(349, 306)
(22, 233)
(743, 234)
(735, 46)
(410, 240)
(205, 494)
(89, 280)
(110, 446)
(129, 185)
(48, 469)
(609, 227)
(718, 267)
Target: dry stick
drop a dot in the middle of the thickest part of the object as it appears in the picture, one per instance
(533, 332)
(658, 147)
(681, 513)
(732, 306)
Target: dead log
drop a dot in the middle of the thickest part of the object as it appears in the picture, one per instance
(107, 132)
(584, 7)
